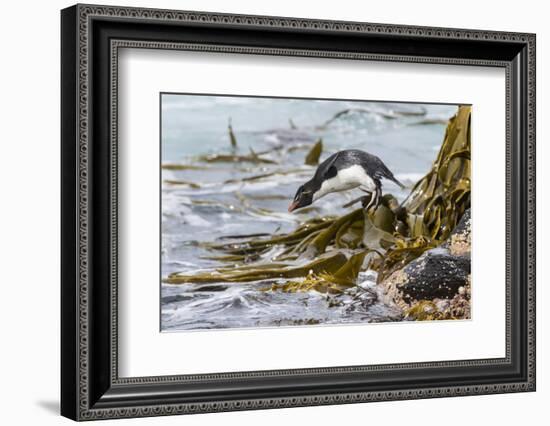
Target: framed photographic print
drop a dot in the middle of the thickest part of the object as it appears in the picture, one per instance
(263, 212)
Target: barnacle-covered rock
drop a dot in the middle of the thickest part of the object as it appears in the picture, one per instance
(436, 285)
(460, 241)
(435, 274)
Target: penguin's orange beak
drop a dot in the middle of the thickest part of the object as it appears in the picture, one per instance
(292, 206)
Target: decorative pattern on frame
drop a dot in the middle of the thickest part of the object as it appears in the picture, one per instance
(118, 44)
(85, 14)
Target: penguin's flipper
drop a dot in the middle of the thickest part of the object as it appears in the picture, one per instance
(326, 169)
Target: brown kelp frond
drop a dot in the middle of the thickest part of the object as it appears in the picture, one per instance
(410, 112)
(266, 197)
(326, 281)
(286, 148)
(312, 157)
(232, 138)
(348, 272)
(429, 121)
(234, 258)
(235, 158)
(174, 166)
(349, 111)
(327, 235)
(442, 196)
(182, 183)
(389, 115)
(309, 241)
(241, 236)
(251, 178)
(261, 157)
(247, 273)
(268, 175)
(291, 239)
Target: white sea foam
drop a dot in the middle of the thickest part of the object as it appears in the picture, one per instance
(272, 138)
(196, 220)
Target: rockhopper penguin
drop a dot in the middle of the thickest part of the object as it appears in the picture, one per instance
(344, 170)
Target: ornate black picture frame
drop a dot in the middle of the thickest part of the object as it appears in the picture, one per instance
(91, 387)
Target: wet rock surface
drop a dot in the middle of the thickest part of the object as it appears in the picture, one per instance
(459, 242)
(436, 285)
(464, 225)
(435, 274)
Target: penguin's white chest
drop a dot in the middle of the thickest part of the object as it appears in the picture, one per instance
(346, 179)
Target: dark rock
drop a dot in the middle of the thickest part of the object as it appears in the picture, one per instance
(177, 298)
(435, 274)
(464, 225)
(459, 242)
(211, 288)
(439, 274)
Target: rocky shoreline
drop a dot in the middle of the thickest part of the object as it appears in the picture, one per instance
(436, 285)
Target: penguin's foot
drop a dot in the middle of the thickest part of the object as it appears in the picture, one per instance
(373, 200)
(366, 200)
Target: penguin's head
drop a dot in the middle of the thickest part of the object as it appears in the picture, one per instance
(303, 197)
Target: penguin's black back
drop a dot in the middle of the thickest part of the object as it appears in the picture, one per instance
(344, 159)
